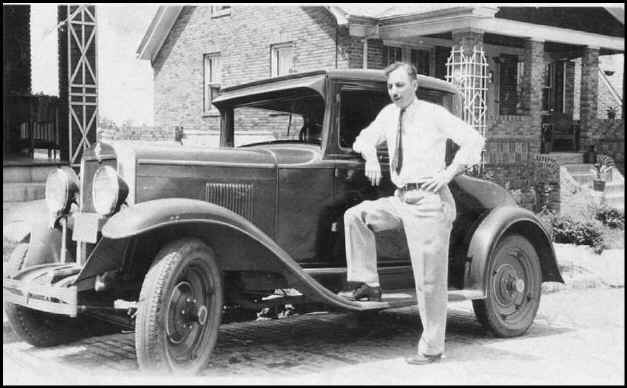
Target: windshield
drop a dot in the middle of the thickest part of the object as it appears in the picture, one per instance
(290, 116)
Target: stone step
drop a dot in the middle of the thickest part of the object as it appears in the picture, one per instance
(583, 179)
(26, 173)
(567, 157)
(22, 191)
(579, 167)
(615, 188)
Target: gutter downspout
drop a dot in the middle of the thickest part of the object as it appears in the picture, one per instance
(374, 34)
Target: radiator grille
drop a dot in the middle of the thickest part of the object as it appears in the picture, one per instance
(236, 197)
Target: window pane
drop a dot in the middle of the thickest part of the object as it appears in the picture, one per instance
(212, 75)
(216, 70)
(508, 89)
(285, 60)
(421, 59)
(394, 54)
(358, 110)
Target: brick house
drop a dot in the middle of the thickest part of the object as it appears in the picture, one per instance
(543, 63)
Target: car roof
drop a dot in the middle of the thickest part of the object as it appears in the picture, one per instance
(315, 80)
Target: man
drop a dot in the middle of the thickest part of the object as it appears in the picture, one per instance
(416, 133)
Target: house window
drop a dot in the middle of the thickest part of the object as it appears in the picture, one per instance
(394, 54)
(422, 60)
(553, 90)
(212, 80)
(421, 57)
(282, 59)
(510, 85)
(220, 10)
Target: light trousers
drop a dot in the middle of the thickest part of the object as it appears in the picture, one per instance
(427, 220)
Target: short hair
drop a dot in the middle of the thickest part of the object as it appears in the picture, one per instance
(409, 68)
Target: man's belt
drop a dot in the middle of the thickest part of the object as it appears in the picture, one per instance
(411, 186)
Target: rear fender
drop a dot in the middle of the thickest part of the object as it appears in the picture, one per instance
(500, 221)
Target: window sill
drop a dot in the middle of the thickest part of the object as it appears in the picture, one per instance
(219, 14)
(211, 114)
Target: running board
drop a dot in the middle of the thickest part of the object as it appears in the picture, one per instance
(403, 298)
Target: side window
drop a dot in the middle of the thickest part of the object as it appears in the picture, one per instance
(358, 108)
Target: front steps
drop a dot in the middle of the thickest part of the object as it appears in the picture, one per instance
(583, 175)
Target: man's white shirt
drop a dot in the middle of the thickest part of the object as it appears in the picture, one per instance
(426, 126)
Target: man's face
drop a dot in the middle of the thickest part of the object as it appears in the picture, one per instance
(401, 87)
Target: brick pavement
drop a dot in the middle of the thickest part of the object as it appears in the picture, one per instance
(298, 345)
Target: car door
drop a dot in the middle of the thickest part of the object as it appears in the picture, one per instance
(356, 108)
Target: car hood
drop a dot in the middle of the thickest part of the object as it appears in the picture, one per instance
(180, 154)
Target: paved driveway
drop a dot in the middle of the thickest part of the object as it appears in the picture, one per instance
(578, 338)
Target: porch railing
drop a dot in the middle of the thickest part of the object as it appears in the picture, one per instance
(33, 123)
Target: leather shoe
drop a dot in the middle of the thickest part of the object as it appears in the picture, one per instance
(423, 359)
(365, 291)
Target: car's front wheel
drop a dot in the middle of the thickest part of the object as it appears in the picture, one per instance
(514, 280)
(179, 309)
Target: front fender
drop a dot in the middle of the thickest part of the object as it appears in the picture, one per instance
(20, 219)
(499, 221)
(173, 212)
(29, 222)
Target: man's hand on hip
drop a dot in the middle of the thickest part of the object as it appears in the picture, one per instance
(373, 171)
(442, 178)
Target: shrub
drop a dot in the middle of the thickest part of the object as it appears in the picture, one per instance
(611, 217)
(568, 231)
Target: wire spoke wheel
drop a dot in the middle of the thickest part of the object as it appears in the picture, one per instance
(514, 281)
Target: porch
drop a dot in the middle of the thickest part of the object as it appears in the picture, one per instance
(542, 74)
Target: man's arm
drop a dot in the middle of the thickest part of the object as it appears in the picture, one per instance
(366, 144)
(470, 145)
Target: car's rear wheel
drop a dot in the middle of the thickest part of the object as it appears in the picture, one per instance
(43, 329)
(514, 280)
(179, 309)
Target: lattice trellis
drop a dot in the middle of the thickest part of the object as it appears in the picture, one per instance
(470, 74)
(82, 80)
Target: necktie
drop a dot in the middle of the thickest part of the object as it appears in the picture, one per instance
(397, 162)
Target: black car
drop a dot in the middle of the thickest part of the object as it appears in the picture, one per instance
(172, 240)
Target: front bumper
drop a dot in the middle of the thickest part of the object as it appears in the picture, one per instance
(44, 287)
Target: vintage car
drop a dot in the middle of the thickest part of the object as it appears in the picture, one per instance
(170, 240)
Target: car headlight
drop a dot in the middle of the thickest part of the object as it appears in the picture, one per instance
(61, 186)
(108, 190)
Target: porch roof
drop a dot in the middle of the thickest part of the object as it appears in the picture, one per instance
(407, 22)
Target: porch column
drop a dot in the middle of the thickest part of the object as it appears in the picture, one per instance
(533, 79)
(589, 93)
(467, 38)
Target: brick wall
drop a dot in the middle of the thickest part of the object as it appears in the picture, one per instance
(243, 40)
